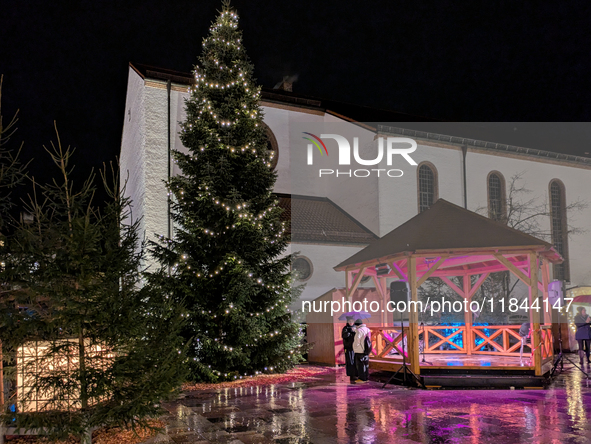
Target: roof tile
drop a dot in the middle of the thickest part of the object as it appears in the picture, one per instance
(319, 220)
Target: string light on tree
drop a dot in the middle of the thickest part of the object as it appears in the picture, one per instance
(227, 259)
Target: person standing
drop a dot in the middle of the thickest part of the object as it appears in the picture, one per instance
(348, 335)
(583, 335)
(524, 332)
(361, 358)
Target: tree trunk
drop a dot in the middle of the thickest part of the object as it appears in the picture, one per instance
(82, 363)
(86, 436)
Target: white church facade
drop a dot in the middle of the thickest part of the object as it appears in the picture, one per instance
(334, 219)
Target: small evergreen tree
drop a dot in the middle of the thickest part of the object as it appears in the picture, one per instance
(105, 349)
(12, 170)
(225, 259)
(12, 174)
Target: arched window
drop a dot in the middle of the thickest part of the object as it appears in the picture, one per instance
(559, 228)
(497, 209)
(427, 185)
(272, 146)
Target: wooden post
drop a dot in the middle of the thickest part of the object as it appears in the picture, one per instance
(413, 323)
(545, 282)
(382, 282)
(478, 284)
(398, 270)
(356, 282)
(453, 286)
(467, 315)
(431, 270)
(535, 315)
(348, 280)
(513, 269)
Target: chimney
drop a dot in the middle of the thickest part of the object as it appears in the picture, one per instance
(26, 218)
(287, 83)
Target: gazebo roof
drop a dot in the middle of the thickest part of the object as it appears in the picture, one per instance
(448, 228)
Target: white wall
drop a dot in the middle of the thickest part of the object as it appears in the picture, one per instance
(323, 258)
(398, 197)
(537, 177)
(132, 157)
(380, 204)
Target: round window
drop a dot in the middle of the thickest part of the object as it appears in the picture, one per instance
(272, 147)
(302, 267)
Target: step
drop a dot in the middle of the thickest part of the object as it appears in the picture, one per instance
(484, 381)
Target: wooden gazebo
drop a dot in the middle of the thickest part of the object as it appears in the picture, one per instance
(444, 241)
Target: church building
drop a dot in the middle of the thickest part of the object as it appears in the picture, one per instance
(472, 166)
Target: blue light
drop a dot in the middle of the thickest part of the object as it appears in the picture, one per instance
(458, 340)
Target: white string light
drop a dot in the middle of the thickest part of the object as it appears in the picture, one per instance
(223, 76)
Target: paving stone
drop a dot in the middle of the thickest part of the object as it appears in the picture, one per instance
(332, 411)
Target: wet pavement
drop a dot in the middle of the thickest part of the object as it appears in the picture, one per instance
(329, 410)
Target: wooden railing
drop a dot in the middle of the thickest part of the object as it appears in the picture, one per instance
(546, 343)
(443, 338)
(499, 340)
(502, 340)
(388, 345)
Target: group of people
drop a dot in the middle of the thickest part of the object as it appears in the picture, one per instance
(583, 335)
(357, 343)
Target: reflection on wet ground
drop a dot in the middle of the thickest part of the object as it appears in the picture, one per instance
(330, 410)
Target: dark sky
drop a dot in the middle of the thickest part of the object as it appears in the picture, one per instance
(464, 61)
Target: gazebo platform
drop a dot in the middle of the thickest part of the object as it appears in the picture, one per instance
(445, 242)
(489, 358)
(473, 362)
(456, 370)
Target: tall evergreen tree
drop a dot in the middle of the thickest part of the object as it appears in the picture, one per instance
(94, 346)
(226, 257)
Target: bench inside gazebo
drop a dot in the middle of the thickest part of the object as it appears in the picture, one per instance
(445, 241)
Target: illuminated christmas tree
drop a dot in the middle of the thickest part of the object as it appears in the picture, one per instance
(226, 259)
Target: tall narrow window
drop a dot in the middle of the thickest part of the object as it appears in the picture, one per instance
(559, 228)
(427, 185)
(496, 196)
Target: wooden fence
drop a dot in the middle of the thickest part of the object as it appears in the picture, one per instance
(497, 340)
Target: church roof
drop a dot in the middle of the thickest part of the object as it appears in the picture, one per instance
(562, 142)
(446, 227)
(319, 220)
(154, 72)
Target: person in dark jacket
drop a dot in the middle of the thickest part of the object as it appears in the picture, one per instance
(583, 336)
(348, 335)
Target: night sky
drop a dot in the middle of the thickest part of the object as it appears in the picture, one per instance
(454, 61)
